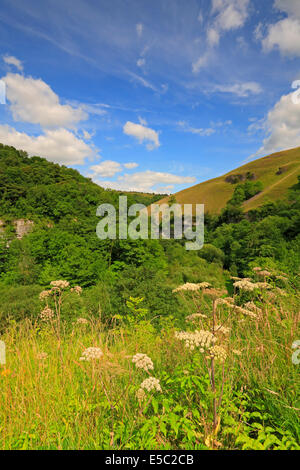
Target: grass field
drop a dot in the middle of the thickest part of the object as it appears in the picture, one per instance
(216, 193)
(240, 392)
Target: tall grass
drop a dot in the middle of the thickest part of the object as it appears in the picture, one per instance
(52, 400)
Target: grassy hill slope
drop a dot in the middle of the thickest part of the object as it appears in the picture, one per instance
(277, 172)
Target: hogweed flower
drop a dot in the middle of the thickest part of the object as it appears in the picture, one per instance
(263, 285)
(44, 294)
(223, 302)
(82, 321)
(142, 361)
(218, 353)
(151, 384)
(251, 306)
(47, 314)
(264, 273)
(194, 317)
(222, 329)
(244, 311)
(77, 289)
(257, 269)
(245, 285)
(198, 339)
(214, 293)
(187, 287)
(60, 284)
(141, 395)
(204, 285)
(91, 354)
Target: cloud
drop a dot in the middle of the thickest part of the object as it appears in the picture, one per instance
(282, 124)
(57, 145)
(147, 181)
(242, 90)
(87, 135)
(213, 37)
(142, 133)
(227, 15)
(131, 166)
(199, 131)
(141, 62)
(106, 169)
(201, 62)
(11, 60)
(109, 168)
(230, 14)
(285, 34)
(139, 29)
(32, 100)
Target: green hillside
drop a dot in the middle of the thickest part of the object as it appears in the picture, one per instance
(33, 187)
(277, 172)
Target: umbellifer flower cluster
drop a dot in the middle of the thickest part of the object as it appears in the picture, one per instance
(141, 395)
(244, 311)
(77, 290)
(224, 302)
(192, 287)
(187, 287)
(60, 284)
(151, 384)
(44, 295)
(82, 321)
(204, 285)
(251, 306)
(198, 339)
(91, 354)
(245, 285)
(47, 314)
(218, 353)
(142, 361)
(222, 329)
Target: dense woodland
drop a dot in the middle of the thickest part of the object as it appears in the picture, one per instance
(64, 245)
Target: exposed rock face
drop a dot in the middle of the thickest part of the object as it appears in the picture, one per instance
(22, 227)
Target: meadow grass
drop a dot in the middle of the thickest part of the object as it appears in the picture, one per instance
(50, 399)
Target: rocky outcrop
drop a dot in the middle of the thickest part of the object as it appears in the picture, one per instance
(23, 227)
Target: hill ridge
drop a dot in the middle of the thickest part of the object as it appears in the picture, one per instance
(278, 172)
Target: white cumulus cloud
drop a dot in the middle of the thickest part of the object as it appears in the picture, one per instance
(106, 169)
(32, 100)
(131, 166)
(57, 145)
(147, 181)
(282, 126)
(285, 33)
(142, 133)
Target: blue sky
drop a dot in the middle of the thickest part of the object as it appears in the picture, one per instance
(151, 96)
